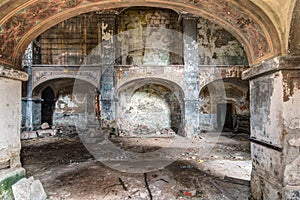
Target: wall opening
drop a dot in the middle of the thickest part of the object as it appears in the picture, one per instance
(225, 110)
(150, 109)
(61, 106)
(48, 105)
(225, 116)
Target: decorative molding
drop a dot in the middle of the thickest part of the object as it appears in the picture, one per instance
(273, 65)
(43, 74)
(126, 74)
(11, 73)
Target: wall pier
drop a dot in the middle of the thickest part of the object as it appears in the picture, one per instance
(191, 78)
(10, 114)
(108, 57)
(275, 126)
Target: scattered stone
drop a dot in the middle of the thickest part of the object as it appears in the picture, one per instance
(238, 157)
(143, 195)
(187, 167)
(44, 126)
(37, 191)
(29, 189)
(46, 133)
(64, 130)
(198, 138)
(28, 135)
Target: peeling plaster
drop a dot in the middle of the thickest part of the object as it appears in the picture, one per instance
(291, 119)
(274, 126)
(106, 34)
(294, 142)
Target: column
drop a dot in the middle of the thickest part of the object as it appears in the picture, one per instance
(108, 56)
(275, 128)
(10, 115)
(27, 117)
(191, 61)
(31, 107)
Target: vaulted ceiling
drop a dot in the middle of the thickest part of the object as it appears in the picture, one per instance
(262, 26)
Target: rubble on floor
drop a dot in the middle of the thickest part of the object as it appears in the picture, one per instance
(29, 189)
(68, 171)
(147, 132)
(47, 131)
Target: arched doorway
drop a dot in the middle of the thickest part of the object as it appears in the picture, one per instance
(225, 105)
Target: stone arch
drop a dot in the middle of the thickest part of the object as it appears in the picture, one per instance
(141, 81)
(172, 94)
(221, 72)
(37, 89)
(294, 38)
(255, 32)
(172, 74)
(229, 94)
(42, 77)
(70, 104)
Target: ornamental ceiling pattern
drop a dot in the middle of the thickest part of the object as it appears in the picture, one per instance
(27, 19)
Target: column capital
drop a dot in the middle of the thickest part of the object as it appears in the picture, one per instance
(272, 65)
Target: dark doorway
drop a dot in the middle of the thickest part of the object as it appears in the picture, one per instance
(224, 116)
(47, 105)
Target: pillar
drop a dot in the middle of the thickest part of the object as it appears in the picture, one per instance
(275, 128)
(10, 121)
(108, 30)
(31, 107)
(191, 80)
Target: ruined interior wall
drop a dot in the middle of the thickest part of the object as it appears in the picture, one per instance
(10, 114)
(232, 91)
(148, 109)
(10, 122)
(70, 41)
(217, 46)
(275, 128)
(73, 108)
(72, 105)
(36, 113)
(74, 38)
(291, 128)
(137, 48)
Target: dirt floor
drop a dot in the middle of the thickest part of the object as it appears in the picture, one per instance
(68, 171)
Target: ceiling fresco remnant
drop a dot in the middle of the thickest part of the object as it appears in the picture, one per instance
(28, 20)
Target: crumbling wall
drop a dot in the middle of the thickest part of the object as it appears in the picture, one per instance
(73, 103)
(69, 42)
(217, 46)
(10, 114)
(233, 91)
(36, 113)
(71, 108)
(144, 45)
(275, 95)
(149, 110)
